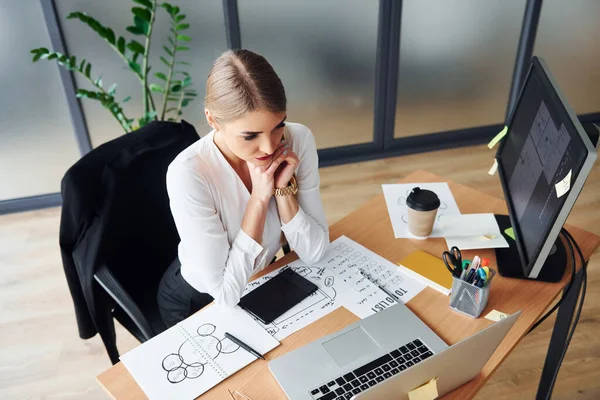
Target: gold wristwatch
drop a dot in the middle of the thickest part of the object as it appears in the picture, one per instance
(291, 188)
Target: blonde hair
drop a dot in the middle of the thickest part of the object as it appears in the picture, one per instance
(240, 82)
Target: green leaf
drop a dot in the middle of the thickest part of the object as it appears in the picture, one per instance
(135, 30)
(126, 99)
(136, 67)
(160, 75)
(167, 51)
(121, 45)
(82, 64)
(175, 10)
(182, 48)
(145, 3)
(170, 39)
(175, 88)
(77, 15)
(81, 93)
(182, 73)
(171, 109)
(88, 70)
(185, 102)
(140, 23)
(37, 56)
(112, 89)
(110, 36)
(168, 7)
(62, 60)
(143, 13)
(156, 88)
(183, 63)
(164, 60)
(136, 47)
(52, 56)
(181, 27)
(172, 99)
(187, 81)
(179, 18)
(98, 81)
(38, 53)
(183, 38)
(72, 62)
(191, 94)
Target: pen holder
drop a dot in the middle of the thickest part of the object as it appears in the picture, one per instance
(469, 299)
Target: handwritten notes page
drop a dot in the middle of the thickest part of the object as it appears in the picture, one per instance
(342, 277)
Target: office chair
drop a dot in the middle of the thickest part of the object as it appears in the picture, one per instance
(117, 233)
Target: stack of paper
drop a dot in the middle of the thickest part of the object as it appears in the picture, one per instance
(472, 231)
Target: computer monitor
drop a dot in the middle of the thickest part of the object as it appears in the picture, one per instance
(543, 163)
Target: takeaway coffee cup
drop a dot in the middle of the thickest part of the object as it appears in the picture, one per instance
(422, 209)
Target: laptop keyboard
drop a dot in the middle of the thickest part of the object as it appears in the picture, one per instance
(373, 372)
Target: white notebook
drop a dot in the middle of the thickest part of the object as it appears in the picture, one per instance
(193, 356)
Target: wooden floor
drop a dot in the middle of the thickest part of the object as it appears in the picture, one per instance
(42, 356)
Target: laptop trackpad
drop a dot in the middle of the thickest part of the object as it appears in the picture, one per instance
(350, 346)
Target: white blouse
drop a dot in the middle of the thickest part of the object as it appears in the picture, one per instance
(208, 201)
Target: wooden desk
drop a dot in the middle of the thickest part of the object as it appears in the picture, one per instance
(370, 226)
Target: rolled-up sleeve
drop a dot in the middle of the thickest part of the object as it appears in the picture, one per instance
(210, 263)
(307, 232)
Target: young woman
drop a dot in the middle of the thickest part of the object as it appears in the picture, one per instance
(240, 191)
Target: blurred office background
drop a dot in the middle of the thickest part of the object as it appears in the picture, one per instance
(371, 79)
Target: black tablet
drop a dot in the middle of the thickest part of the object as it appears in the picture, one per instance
(276, 296)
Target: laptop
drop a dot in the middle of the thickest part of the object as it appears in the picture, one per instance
(384, 356)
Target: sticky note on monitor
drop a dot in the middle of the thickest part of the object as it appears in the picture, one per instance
(564, 185)
(510, 233)
(498, 137)
(426, 392)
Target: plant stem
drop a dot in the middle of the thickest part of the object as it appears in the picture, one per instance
(136, 74)
(169, 77)
(179, 104)
(145, 62)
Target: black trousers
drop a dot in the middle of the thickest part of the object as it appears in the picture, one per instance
(176, 298)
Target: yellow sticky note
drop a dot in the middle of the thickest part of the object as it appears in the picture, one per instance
(426, 392)
(510, 233)
(498, 137)
(494, 168)
(495, 315)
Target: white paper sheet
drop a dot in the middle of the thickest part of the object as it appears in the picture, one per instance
(193, 356)
(395, 199)
(341, 283)
(333, 292)
(472, 231)
(347, 256)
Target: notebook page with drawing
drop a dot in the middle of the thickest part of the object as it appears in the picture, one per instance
(193, 356)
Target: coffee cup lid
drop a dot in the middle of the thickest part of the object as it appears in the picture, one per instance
(422, 200)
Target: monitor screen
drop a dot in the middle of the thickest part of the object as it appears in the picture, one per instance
(539, 160)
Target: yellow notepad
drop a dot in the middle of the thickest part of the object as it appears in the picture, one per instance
(428, 269)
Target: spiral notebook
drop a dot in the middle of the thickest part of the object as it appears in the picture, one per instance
(193, 356)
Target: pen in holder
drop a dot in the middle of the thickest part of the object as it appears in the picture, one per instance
(469, 299)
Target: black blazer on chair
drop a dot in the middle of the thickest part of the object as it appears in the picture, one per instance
(116, 214)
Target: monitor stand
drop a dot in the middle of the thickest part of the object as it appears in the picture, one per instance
(509, 263)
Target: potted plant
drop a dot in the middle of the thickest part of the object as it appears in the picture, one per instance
(173, 82)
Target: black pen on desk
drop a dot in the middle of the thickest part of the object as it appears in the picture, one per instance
(243, 345)
(395, 298)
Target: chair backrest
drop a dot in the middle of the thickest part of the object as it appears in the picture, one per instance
(139, 235)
